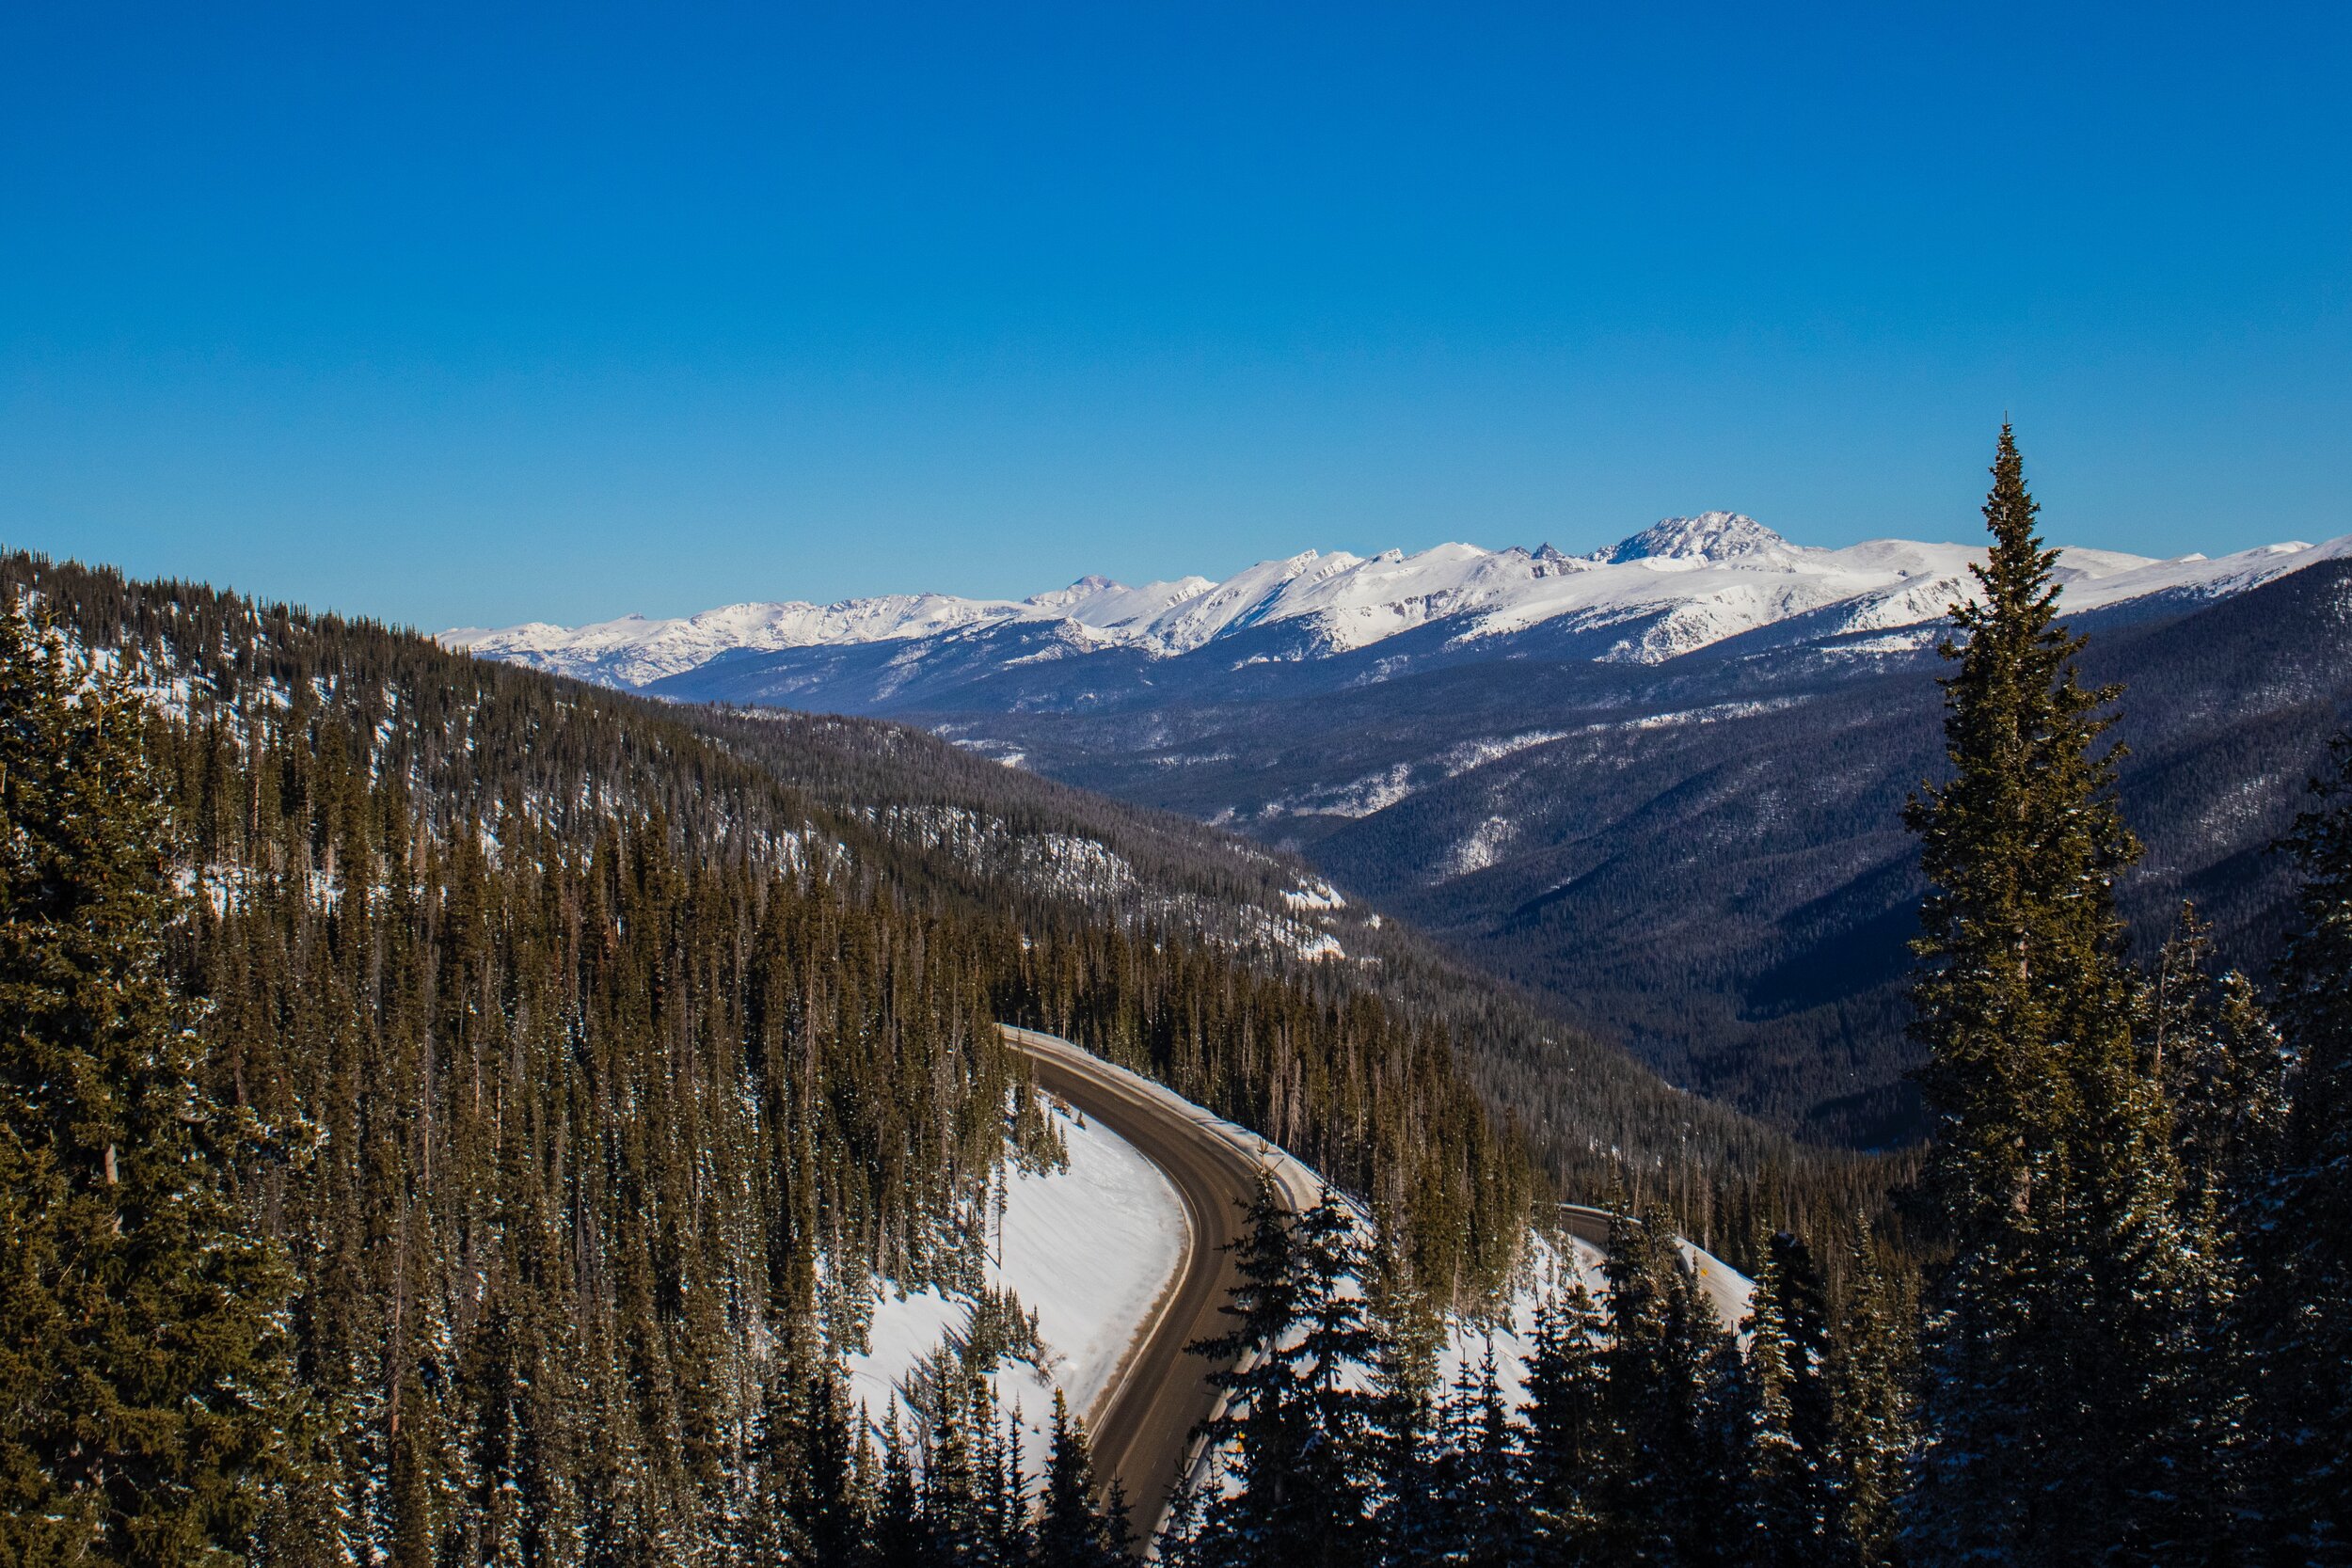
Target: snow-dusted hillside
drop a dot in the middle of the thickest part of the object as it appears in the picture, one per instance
(1682, 584)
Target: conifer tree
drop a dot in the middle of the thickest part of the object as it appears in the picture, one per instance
(901, 1533)
(1492, 1526)
(820, 1490)
(1566, 1420)
(1012, 1536)
(1337, 1347)
(145, 1384)
(2219, 1059)
(1182, 1539)
(1070, 1534)
(951, 1524)
(1789, 1462)
(1297, 1426)
(1871, 1376)
(2221, 1063)
(1670, 1483)
(2300, 1314)
(2056, 1347)
(1402, 1448)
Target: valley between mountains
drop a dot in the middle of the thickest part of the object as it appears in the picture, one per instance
(1657, 789)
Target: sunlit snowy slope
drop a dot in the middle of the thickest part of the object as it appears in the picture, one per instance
(1683, 584)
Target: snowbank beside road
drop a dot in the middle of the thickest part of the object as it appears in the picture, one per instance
(1089, 1249)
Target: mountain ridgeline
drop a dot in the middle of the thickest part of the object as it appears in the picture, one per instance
(2121, 1348)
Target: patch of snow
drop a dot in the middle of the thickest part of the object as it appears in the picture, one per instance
(1314, 895)
(1480, 849)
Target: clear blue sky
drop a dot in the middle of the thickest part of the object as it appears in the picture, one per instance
(488, 313)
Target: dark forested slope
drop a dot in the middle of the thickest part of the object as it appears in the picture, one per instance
(991, 832)
(1704, 859)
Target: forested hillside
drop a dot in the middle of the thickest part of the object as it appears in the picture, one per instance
(2121, 1346)
(1586, 1110)
(592, 1072)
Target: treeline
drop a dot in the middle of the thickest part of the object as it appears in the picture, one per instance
(2128, 1339)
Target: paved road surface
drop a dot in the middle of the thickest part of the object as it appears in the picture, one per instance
(1141, 1425)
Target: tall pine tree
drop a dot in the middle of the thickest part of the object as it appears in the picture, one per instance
(1297, 1429)
(2055, 1347)
(1070, 1534)
(1566, 1421)
(1789, 1463)
(1870, 1377)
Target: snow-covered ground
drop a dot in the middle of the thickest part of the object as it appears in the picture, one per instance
(1088, 1248)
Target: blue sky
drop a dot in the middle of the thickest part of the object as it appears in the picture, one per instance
(478, 314)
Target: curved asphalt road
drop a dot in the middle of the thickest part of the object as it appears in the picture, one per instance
(1141, 1426)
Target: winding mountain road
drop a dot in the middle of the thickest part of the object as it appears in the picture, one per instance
(1141, 1426)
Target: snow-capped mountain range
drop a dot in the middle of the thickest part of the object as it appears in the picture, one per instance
(1683, 584)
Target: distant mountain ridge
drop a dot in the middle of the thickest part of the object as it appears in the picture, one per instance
(1682, 584)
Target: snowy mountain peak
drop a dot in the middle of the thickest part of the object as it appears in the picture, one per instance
(1680, 584)
(1709, 536)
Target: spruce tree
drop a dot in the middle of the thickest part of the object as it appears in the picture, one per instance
(2300, 1317)
(1670, 1486)
(1261, 1429)
(1297, 1429)
(1070, 1534)
(2221, 1063)
(821, 1492)
(2057, 1346)
(1403, 1444)
(901, 1533)
(2220, 1060)
(1338, 1346)
(1566, 1420)
(950, 1514)
(145, 1384)
(1493, 1525)
(1871, 1373)
(1789, 1462)
(1011, 1535)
